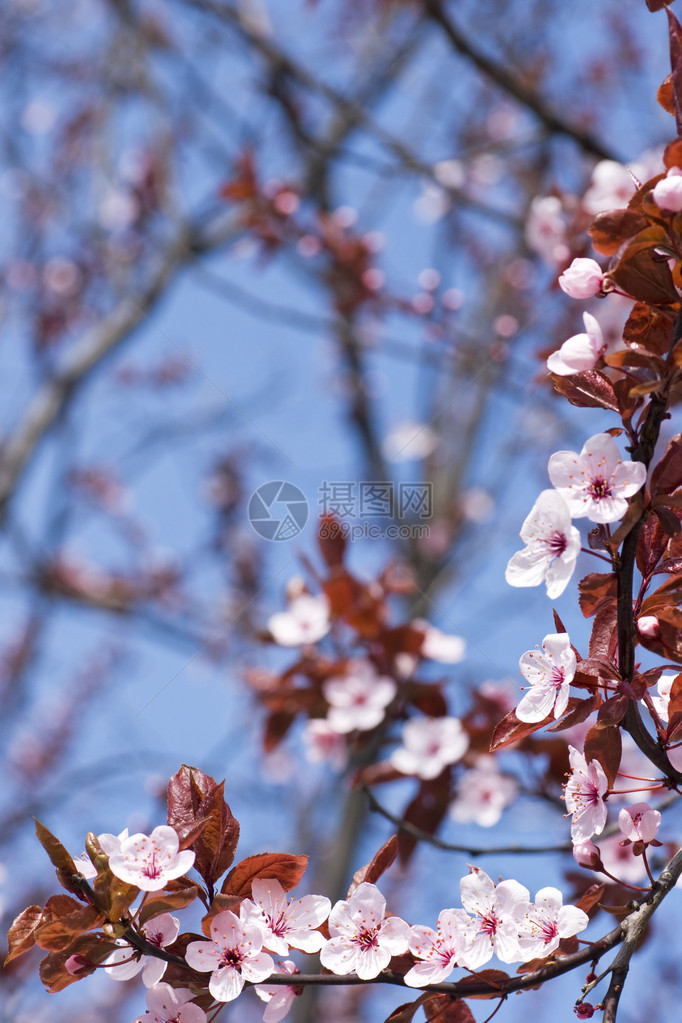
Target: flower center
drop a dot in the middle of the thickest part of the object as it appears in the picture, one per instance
(367, 939)
(549, 930)
(231, 957)
(599, 488)
(557, 543)
(151, 867)
(488, 925)
(556, 679)
(155, 938)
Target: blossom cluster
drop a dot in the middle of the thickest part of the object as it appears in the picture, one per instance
(495, 919)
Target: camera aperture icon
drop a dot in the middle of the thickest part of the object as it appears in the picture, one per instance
(278, 510)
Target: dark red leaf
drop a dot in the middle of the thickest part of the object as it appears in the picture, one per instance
(444, 1009)
(610, 229)
(282, 867)
(510, 730)
(331, 540)
(603, 743)
(21, 935)
(378, 865)
(593, 588)
(589, 389)
(675, 33)
(667, 474)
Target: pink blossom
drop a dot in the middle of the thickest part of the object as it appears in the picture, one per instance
(552, 546)
(612, 187)
(322, 742)
(667, 194)
(233, 956)
(149, 862)
(363, 940)
(125, 962)
(662, 700)
(582, 279)
(580, 352)
(166, 1004)
(647, 625)
(596, 482)
(586, 854)
(285, 924)
(498, 911)
(439, 950)
(547, 922)
(585, 791)
(430, 744)
(359, 698)
(439, 646)
(306, 621)
(639, 823)
(109, 844)
(546, 229)
(279, 997)
(550, 674)
(483, 793)
(620, 861)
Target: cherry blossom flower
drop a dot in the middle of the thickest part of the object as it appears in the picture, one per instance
(483, 793)
(439, 950)
(125, 962)
(550, 674)
(667, 193)
(149, 862)
(662, 701)
(280, 997)
(552, 547)
(585, 791)
(612, 187)
(285, 924)
(439, 646)
(306, 621)
(498, 911)
(109, 844)
(430, 744)
(359, 698)
(363, 940)
(322, 742)
(582, 279)
(580, 352)
(597, 481)
(547, 922)
(639, 823)
(166, 1004)
(233, 956)
(546, 229)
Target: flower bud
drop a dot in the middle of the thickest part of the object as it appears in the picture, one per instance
(586, 854)
(667, 194)
(584, 1011)
(648, 625)
(582, 279)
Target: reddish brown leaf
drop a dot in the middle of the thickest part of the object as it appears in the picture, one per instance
(444, 1009)
(603, 743)
(675, 33)
(667, 474)
(649, 329)
(558, 624)
(593, 588)
(405, 1013)
(591, 898)
(216, 845)
(378, 865)
(21, 935)
(610, 229)
(510, 730)
(587, 390)
(613, 710)
(651, 544)
(59, 932)
(665, 89)
(496, 979)
(167, 902)
(643, 275)
(186, 791)
(282, 867)
(604, 639)
(578, 711)
(331, 541)
(95, 947)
